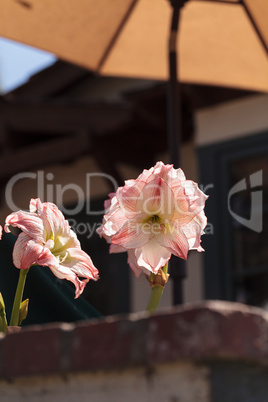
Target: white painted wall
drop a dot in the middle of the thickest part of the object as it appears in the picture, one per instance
(231, 120)
(166, 383)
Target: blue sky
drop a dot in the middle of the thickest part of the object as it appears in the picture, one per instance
(18, 62)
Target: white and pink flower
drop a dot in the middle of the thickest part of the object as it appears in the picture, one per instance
(48, 240)
(158, 214)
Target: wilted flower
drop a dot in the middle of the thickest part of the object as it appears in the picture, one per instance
(48, 240)
(158, 214)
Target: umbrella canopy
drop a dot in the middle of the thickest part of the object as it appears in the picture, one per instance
(220, 42)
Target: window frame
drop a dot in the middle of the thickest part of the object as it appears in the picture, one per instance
(214, 168)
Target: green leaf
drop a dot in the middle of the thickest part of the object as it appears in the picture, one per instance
(3, 319)
(2, 304)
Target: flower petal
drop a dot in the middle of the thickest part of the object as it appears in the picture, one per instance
(80, 263)
(156, 198)
(152, 256)
(29, 223)
(127, 197)
(108, 202)
(194, 230)
(131, 235)
(28, 252)
(174, 240)
(53, 220)
(132, 261)
(183, 213)
(114, 222)
(170, 175)
(196, 197)
(77, 264)
(56, 227)
(116, 249)
(189, 202)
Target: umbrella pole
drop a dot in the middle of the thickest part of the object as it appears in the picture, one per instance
(177, 267)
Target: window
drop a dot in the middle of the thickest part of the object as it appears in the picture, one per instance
(236, 257)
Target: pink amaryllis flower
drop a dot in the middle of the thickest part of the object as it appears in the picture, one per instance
(48, 240)
(158, 214)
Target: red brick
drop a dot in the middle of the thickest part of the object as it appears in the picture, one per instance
(102, 345)
(35, 351)
(208, 330)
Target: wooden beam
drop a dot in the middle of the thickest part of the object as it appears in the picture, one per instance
(51, 118)
(53, 151)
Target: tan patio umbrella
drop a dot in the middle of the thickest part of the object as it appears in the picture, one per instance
(218, 42)
(221, 42)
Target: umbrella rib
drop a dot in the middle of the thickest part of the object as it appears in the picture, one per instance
(254, 26)
(115, 36)
(223, 1)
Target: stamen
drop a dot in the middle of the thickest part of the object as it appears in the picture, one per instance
(154, 219)
(62, 259)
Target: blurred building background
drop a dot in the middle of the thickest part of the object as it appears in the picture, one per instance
(69, 136)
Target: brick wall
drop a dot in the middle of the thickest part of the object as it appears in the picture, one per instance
(205, 352)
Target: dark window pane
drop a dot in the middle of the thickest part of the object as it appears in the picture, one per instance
(250, 240)
(253, 290)
(236, 256)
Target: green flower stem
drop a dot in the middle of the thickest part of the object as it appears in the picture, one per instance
(154, 299)
(14, 321)
(156, 291)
